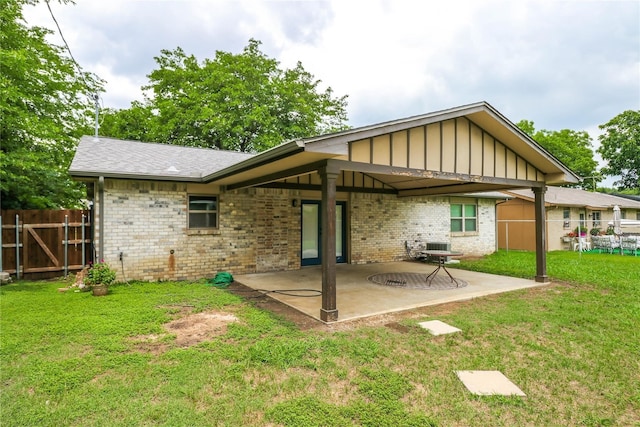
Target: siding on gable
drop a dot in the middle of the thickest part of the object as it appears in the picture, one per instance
(452, 146)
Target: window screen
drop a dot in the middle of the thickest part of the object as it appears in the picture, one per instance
(203, 212)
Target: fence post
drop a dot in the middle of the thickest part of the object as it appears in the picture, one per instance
(66, 245)
(507, 235)
(17, 247)
(83, 247)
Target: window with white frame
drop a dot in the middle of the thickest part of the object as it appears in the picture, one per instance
(464, 217)
(203, 212)
(596, 218)
(566, 218)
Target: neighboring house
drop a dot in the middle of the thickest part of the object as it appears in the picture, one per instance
(629, 196)
(172, 212)
(566, 209)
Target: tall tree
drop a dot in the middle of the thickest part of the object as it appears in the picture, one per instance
(572, 148)
(136, 122)
(243, 102)
(620, 147)
(44, 102)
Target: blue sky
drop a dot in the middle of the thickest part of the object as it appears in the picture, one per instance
(562, 64)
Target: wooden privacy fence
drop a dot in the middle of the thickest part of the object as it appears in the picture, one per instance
(38, 244)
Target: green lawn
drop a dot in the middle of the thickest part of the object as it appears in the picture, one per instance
(71, 359)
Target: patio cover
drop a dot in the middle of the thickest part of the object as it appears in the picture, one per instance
(471, 148)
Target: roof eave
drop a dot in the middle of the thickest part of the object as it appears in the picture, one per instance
(273, 154)
(137, 176)
(565, 176)
(395, 125)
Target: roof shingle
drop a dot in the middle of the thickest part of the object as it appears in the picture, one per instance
(563, 196)
(121, 158)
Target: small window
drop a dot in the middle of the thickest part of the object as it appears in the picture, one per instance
(566, 216)
(596, 219)
(203, 212)
(463, 217)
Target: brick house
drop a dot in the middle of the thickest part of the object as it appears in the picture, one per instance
(355, 196)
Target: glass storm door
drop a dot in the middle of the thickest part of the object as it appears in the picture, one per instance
(312, 232)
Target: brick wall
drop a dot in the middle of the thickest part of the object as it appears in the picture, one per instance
(259, 230)
(484, 241)
(147, 221)
(380, 224)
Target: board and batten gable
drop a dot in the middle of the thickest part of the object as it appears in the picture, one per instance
(452, 146)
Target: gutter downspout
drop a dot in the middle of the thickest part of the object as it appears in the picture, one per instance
(101, 219)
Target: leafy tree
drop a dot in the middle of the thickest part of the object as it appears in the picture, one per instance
(43, 103)
(620, 147)
(572, 148)
(242, 102)
(135, 123)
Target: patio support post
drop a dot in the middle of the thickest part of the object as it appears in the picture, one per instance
(329, 174)
(541, 233)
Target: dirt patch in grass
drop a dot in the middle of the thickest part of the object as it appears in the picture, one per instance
(189, 329)
(264, 302)
(195, 328)
(398, 327)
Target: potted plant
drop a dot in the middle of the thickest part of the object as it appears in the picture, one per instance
(581, 230)
(99, 277)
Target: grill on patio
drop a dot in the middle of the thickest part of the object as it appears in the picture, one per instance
(415, 281)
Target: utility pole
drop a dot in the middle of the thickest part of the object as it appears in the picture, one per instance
(96, 98)
(593, 180)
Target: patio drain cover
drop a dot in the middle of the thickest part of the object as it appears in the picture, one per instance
(487, 383)
(416, 281)
(437, 327)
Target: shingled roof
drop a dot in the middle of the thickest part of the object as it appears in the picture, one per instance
(575, 197)
(118, 158)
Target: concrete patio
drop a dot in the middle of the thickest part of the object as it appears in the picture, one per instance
(358, 297)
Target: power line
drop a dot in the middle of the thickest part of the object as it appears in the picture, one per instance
(95, 96)
(64, 40)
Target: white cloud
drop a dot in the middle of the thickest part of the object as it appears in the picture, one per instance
(562, 64)
(122, 89)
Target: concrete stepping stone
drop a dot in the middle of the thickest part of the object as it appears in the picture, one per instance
(487, 383)
(436, 327)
